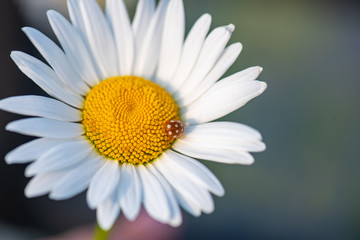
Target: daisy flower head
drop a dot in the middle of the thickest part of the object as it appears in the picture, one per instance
(131, 107)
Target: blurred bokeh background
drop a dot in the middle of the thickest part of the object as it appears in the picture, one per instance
(304, 186)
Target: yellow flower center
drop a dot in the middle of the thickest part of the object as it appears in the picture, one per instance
(125, 119)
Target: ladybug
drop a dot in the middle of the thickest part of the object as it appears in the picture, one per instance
(174, 128)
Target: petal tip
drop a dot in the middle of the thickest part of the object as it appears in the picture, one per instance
(27, 29)
(3, 104)
(250, 162)
(14, 54)
(237, 47)
(230, 27)
(29, 172)
(220, 192)
(206, 17)
(53, 196)
(263, 87)
(175, 222)
(50, 12)
(29, 192)
(56, 196)
(10, 127)
(263, 147)
(131, 216)
(104, 225)
(91, 205)
(8, 158)
(52, 15)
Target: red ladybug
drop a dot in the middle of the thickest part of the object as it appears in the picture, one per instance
(174, 128)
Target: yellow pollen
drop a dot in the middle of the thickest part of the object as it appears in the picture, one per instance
(124, 118)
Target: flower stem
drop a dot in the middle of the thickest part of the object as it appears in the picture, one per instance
(101, 234)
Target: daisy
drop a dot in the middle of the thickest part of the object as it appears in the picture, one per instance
(132, 107)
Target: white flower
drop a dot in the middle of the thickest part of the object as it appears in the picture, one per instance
(115, 133)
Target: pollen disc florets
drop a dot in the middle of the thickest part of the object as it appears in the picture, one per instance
(124, 118)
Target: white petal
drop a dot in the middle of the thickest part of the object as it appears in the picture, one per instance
(175, 214)
(216, 155)
(45, 78)
(90, 21)
(43, 127)
(124, 183)
(78, 179)
(42, 184)
(76, 17)
(188, 204)
(155, 199)
(41, 107)
(224, 142)
(148, 53)
(31, 150)
(57, 60)
(124, 39)
(225, 61)
(184, 186)
(74, 47)
(103, 183)
(247, 74)
(145, 10)
(213, 47)
(223, 130)
(191, 50)
(107, 213)
(130, 191)
(221, 99)
(195, 171)
(60, 157)
(172, 40)
(224, 135)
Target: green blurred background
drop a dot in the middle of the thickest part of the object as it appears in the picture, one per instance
(305, 185)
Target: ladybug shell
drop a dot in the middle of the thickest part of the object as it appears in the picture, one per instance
(174, 128)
